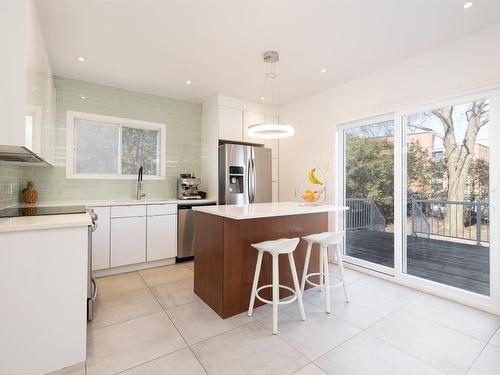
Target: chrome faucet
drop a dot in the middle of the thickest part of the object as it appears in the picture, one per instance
(140, 188)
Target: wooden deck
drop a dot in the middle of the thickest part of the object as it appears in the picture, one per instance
(455, 264)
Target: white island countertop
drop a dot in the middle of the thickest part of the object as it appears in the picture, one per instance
(259, 210)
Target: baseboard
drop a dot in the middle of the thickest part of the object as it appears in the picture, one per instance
(132, 267)
(479, 306)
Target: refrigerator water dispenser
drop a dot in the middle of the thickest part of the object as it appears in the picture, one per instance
(236, 179)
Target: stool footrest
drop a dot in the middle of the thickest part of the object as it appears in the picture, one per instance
(286, 302)
(321, 274)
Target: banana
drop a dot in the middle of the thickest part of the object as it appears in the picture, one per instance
(316, 178)
(310, 176)
(313, 177)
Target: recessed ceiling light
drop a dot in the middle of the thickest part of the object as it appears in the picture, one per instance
(323, 71)
(262, 98)
(82, 97)
(467, 4)
(81, 58)
(188, 82)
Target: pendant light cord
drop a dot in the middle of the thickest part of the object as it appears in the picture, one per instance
(271, 76)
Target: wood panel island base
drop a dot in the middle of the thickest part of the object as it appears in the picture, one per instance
(225, 261)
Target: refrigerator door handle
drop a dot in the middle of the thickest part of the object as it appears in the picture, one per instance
(249, 173)
(254, 180)
(251, 178)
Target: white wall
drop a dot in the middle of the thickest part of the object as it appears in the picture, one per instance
(12, 71)
(466, 64)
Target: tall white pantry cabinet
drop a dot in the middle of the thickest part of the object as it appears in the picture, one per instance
(228, 119)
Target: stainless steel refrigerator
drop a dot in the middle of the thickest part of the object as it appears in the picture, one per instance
(245, 174)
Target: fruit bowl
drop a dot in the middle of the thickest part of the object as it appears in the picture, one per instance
(310, 196)
(315, 193)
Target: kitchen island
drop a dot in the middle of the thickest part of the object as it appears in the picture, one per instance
(225, 261)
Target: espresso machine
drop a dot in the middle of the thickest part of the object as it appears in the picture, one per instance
(187, 187)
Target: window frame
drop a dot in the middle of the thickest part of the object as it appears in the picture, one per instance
(73, 116)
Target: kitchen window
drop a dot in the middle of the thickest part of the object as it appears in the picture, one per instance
(114, 148)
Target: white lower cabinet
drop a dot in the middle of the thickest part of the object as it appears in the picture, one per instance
(100, 239)
(128, 241)
(161, 237)
(128, 235)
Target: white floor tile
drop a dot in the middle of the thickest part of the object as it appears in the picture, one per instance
(196, 321)
(167, 274)
(310, 369)
(443, 347)
(267, 309)
(117, 284)
(462, 318)
(368, 355)
(495, 340)
(351, 275)
(181, 362)
(393, 294)
(363, 309)
(315, 336)
(134, 342)
(118, 308)
(176, 293)
(488, 362)
(250, 349)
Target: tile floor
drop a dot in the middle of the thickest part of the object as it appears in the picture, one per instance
(151, 322)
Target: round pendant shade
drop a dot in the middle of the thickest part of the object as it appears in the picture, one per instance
(270, 131)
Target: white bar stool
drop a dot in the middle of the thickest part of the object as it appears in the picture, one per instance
(275, 248)
(324, 240)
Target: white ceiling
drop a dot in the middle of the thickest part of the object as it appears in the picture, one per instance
(154, 46)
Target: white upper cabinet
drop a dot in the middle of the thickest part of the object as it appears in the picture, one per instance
(13, 68)
(249, 119)
(230, 124)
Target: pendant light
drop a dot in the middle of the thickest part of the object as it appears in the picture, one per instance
(271, 130)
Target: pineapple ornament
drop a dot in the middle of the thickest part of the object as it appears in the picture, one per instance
(30, 195)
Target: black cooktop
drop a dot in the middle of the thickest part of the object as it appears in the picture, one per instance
(41, 210)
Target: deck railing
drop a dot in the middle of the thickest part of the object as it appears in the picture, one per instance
(363, 213)
(441, 218)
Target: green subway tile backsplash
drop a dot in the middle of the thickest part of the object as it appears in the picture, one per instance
(10, 184)
(183, 121)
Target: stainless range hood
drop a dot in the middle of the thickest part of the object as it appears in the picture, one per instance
(21, 156)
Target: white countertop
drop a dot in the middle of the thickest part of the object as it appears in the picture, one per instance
(12, 224)
(119, 202)
(73, 220)
(258, 210)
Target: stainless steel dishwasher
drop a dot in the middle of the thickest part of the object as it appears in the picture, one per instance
(185, 230)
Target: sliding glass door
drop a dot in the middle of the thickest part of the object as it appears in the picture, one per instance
(447, 194)
(420, 185)
(369, 193)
